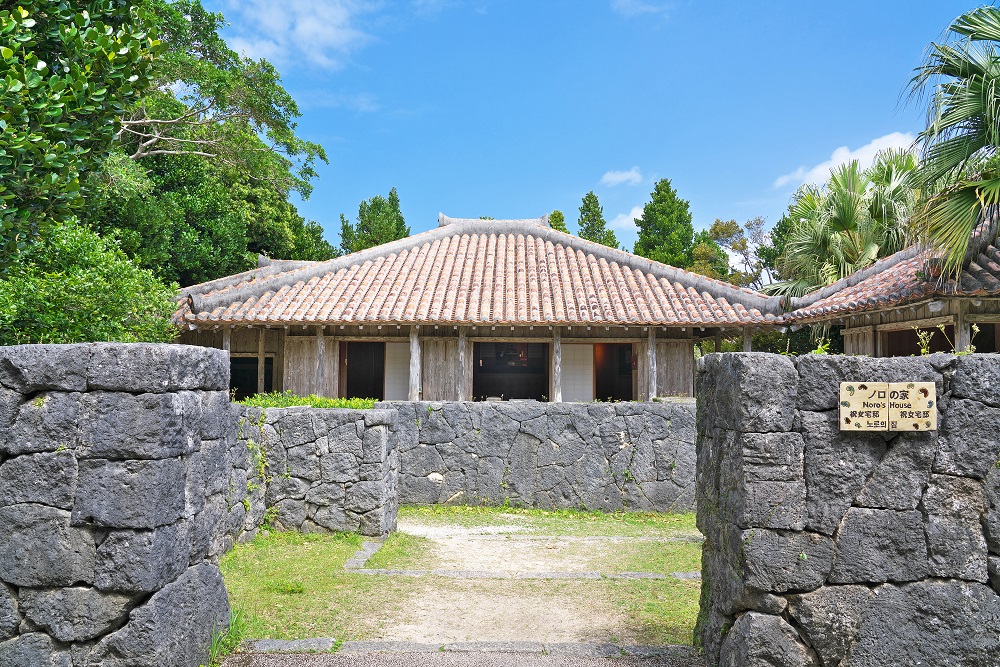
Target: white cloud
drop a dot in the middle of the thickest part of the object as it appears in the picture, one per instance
(320, 32)
(626, 221)
(640, 7)
(864, 155)
(631, 177)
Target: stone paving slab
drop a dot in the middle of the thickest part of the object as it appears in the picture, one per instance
(378, 646)
(457, 659)
(320, 644)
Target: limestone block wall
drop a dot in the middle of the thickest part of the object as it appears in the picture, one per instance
(121, 482)
(832, 549)
(319, 470)
(600, 456)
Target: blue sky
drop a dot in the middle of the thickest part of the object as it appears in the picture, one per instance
(510, 109)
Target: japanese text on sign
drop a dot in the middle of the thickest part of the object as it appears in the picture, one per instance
(888, 406)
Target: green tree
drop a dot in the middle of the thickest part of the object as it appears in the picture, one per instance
(196, 220)
(68, 71)
(856, 218)
(379, 221)
(708, 257)
(666, 233)
(72, 286)
(558, 221)
(773, 247)
(959, 173)
(591, 223)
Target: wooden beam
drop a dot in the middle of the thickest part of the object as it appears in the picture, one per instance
(718, 340)
(227, 334)
(260, 360)
(927, 323)
(320, 362)
(747, 340)
(651, 358)
(556, 366)
(463, 391)
(963, 330)
(414, 363)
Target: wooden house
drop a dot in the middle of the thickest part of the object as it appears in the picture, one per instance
(882, 307)
(474, 309)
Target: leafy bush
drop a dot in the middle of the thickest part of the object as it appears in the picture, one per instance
(75, 287)
(286, 399)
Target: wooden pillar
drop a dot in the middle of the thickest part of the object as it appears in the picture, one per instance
(718, 340)
(463, 390)
(334, 382)
(414, 363)
(651, 356)
(963, 332)
(556, 366)
(227, 333)
(261, 332)
(320, 362)
(747, 340)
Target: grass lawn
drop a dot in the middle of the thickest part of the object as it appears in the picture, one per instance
(293, 586)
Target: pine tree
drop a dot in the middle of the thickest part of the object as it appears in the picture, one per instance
(592, 224)
(379, 221)
(666, 233)
(558, 221)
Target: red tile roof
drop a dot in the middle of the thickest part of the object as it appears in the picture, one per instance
(515, 272)
(904, 278)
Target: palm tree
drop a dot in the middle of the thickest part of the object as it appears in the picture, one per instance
(959, 171)
(856, 218)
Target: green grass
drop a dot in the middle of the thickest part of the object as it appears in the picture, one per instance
(401, 551)
(293, 586)
(661, 611)
(555, 522)
(287, 399)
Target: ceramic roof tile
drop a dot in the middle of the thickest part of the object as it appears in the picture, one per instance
(484, 272)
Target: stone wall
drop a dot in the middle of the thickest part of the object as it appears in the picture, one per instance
(830, 549)
(121, 482)
(323, 469)
(599, 456)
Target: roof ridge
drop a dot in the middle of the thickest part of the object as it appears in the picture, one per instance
(254, 285)
(892, 260)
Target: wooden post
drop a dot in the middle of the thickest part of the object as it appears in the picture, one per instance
(556, 366)
(651, 356)
(747, 340)
(227, 333)
(260, 360)
(718, 340)
(463, 391)
(320, 362)
(414, 363)
(963, 331)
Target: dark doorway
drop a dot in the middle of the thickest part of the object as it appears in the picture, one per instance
(988, 338)
(510, 370)
(365, 370)
(243, 376)
(904, 343)
(613, 371)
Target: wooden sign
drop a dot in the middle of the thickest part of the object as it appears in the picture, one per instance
(888, 406)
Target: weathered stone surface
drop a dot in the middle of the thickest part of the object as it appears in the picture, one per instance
(60, 555)
(76, 613)
(780, 561)
(10, 400)
(129, 494)
(820, 375)
(875, 546)
(216, 466)
(174, 627)
(145, 426)
(10, 618)
(46, 479)
(364, 496)
(752, 392)
(991, 518)
(975, 377)
(339, 467)
(33, 650)
(955, 542)
(836, 468)
(970, 441)
(295, 427)
(142, 561)
(829, 618)
(157, 368)
(930, 623)
(31, 368)
(303, 461)
(758, 640)
(900, 477)
(326, 494)
(46, 423)
(993, 566)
